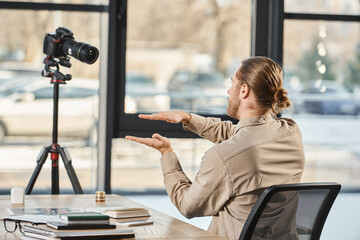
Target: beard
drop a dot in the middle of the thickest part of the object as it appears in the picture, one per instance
(233, 107)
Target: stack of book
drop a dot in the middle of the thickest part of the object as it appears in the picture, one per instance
(82, 220)
(87, 223)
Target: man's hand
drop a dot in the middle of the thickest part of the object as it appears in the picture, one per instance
(157, 141)
(168, 116)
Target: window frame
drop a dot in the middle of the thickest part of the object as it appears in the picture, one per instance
(99, 8)
(130, 124)
(268, 26)
(53, 6)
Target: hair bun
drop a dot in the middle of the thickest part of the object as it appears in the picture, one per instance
(281, 100)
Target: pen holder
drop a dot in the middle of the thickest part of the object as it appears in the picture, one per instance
(17, 195)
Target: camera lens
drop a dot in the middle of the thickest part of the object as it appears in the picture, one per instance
(91, 55)
(81, 51)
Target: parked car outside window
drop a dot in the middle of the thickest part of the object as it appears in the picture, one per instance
(26, 106)
(27, 110)
(325, 97)
(196, 91)
(143, 95)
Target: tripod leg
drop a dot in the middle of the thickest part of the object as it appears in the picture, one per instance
(70, 170)
(55, 189)
(40, 162)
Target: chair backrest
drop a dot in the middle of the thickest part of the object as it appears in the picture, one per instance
(290, 211)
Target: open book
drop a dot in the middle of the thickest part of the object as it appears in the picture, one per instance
(121, 212)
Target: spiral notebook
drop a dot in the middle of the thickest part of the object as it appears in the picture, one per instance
(60, 225)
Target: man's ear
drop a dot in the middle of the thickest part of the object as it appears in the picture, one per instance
(244, 91)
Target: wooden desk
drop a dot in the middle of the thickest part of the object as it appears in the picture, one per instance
(164, 227)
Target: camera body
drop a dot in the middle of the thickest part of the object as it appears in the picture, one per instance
(62, 43)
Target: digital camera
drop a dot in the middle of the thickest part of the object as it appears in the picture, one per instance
(62, 44)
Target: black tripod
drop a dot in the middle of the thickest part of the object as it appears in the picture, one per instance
(54, 149)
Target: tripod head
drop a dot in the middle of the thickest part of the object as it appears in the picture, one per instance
(51, 69)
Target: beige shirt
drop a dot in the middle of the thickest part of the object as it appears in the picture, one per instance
(248, 157)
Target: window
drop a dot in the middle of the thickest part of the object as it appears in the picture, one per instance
(321, 58)
(182, 52)
(26, 98)
(192, 39)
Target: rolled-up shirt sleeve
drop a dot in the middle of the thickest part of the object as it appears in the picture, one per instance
(210, 128)
(206, 195)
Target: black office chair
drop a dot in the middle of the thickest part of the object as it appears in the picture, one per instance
(290, 211)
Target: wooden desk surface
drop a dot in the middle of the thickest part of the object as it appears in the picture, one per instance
(164, 227)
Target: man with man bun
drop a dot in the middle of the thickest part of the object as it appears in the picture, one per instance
(259, 151)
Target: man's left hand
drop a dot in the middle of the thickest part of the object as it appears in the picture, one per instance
(157, 141)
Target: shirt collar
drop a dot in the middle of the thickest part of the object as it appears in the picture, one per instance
(258, 120)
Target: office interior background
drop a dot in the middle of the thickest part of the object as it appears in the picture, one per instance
(161, 55)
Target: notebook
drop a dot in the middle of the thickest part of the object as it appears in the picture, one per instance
(60, 225)
(83, 216)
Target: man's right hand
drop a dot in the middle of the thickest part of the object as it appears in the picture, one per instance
(168, 116)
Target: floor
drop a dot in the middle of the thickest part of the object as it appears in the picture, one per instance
(342, 222)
